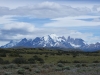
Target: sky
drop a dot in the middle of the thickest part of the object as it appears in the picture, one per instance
(31, 18)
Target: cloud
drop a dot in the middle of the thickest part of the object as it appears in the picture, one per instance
(47, 10)
(19, 25)
(73, 21)
(6, 19)
(7, 35)
(96, 8)
(96, 19)
(63, 16)
(63, 31)
(11, 29)
(15, 29)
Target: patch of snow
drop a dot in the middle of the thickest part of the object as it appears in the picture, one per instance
(54, 37)
(46, 38)
(51, 45)
(44, 45)
(84, 42)
(75, 45)
(11, 43)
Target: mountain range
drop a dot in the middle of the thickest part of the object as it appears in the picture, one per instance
(54, 41)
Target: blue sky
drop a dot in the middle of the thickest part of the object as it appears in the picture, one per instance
(30, 18)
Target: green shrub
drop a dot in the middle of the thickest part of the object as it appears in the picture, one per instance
(37, 71)
(76, 61)
(25, 67)
(18, 65)
(20, 60)
(35, 57)
(21, 71)
(6, 62)
(12, 66)
(30, 69)
(46, 66)
(35, 65)
(1, 61)
(14, 54)
(96, 61)
(31, 60)
(78, 65)
(66, 68)
(46, 55)
(41, 62)
(62, 61)
(52, 65)
(60, 65)
(7, 73)
(84, 65)
(5, 67)
(2, 54)
(58, 69)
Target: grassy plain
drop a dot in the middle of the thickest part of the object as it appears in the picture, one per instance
(48, 62)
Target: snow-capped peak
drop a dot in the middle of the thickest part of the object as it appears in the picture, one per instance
(10, 44)
(14, 41)
(53, 36)
(46, 38)
(53, 41)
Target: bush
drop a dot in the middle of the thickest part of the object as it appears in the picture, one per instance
(5, 67)
(21, 71)
(76, 61)
(1, 61)
(66, 68)
(46, 55)
(30, 69)
(31, 60)
(12, 66)
(42, 61)
(25, 67)
(46, 66)
(35, 65)
(61, 61)
(3, 55)
(58, 69)
(20, 60)
(60, 65)
(84, 65)
(37, 71)
(35, 57)
(96, 61)
(7, 73)
(14, 54)
(78, 65)
(39, 59)
(6, 62)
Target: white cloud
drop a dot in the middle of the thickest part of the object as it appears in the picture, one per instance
(96, 7)
(10, 29)
(9, 23)
(64, 16)
(96, 19)
(19, 25)
(3, 43)
(49, 10)
(73, 21)
(6, 19)
(87, 37)
(39, 32)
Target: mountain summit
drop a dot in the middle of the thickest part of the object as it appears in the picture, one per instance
(53, 41)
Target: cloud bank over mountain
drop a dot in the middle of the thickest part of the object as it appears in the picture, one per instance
(29, 19)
